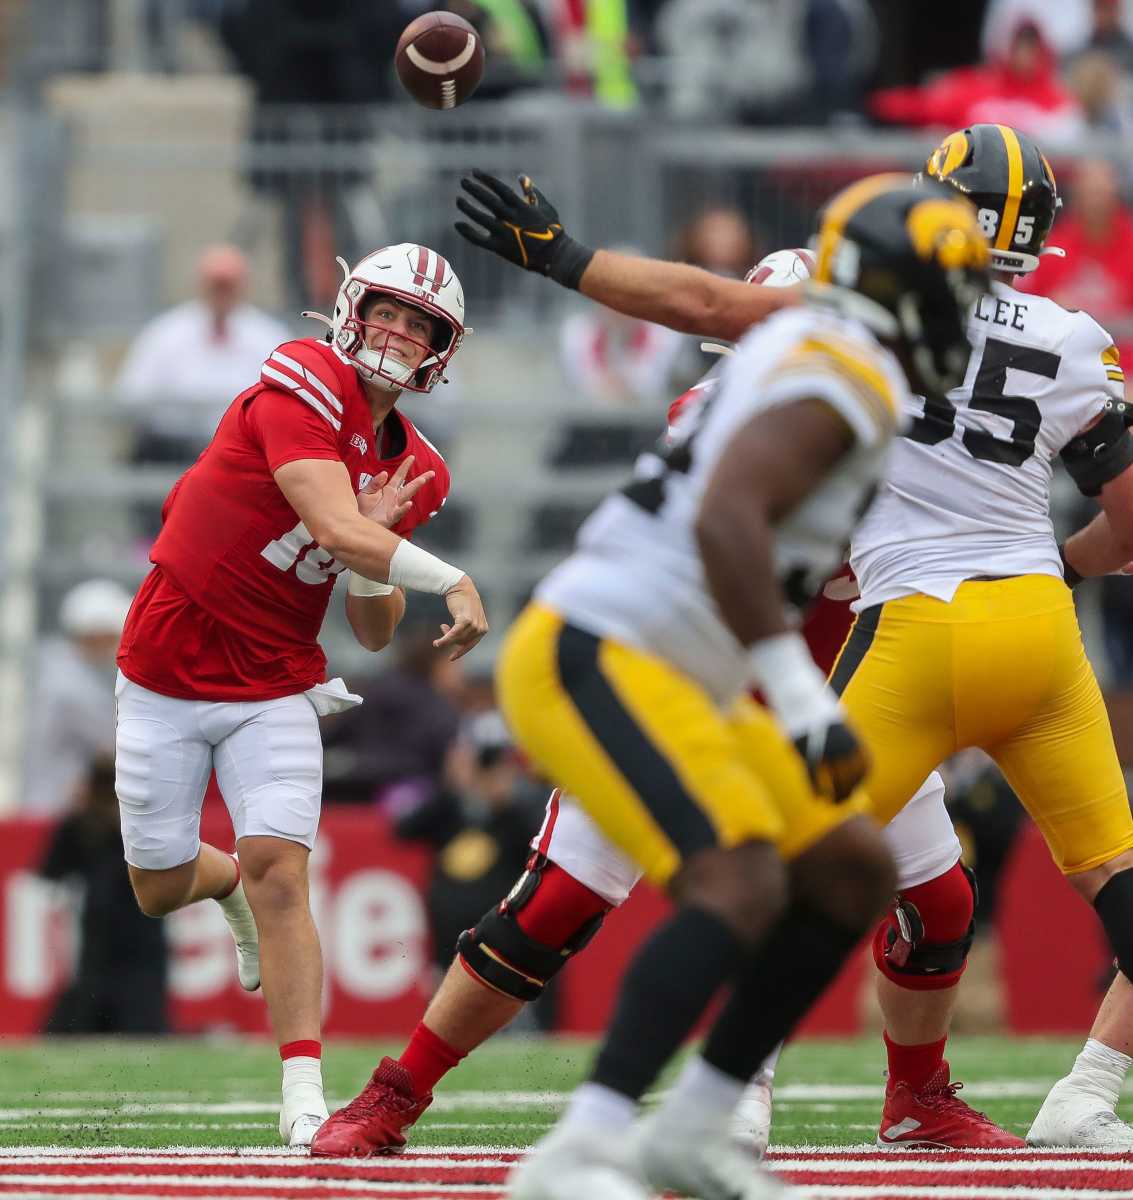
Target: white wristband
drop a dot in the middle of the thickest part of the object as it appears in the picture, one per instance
(359, 585)
(412, 567)
(796, 690)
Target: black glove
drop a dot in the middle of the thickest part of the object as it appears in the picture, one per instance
(525, 229)
(835, 760)
(1068, 573)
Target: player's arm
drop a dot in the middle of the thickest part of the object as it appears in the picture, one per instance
(373, 618)
(319, 491)
(524, 228)
(770, 466)
(680, 296)
(1100, 461)
(375, 610)
(1104, 545)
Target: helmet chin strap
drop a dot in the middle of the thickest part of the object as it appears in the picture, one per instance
(385, 370)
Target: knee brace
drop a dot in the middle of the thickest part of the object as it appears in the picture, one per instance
(1114, 905)
(526, 939)
(923, 942)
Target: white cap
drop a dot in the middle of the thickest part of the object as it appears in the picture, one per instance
(97, 606)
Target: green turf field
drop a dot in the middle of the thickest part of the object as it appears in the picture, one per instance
(224, 1092)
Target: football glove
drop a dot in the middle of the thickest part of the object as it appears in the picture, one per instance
(835, 760)
(523, 227)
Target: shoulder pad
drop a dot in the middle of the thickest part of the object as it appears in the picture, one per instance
(301, 368)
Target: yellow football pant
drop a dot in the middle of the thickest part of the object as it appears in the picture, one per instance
(1001, 667)
(654, 761)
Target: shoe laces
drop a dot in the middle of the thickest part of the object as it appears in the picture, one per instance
(940, 1092)
(390, 1088)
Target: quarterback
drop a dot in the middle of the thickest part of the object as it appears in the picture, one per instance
(220, 668)
(965, 615)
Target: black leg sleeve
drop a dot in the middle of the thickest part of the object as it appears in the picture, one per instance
(776, 987)
(1114, 905)
(668, 986)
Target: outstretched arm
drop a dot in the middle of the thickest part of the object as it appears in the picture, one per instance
(680, 296)
(524, 228)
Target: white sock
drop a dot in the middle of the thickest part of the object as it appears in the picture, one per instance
(766, 1072)
(1101, 1070)
(595, 1104)
(302, 1071)
(703, 1093)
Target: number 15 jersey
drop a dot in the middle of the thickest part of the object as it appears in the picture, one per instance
(967, 492)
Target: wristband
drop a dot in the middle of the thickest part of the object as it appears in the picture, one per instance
(1068, 573)
(570, 260)
(412, 567)
(359, 585)
(796, 690)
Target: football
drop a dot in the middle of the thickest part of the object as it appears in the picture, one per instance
(782, 268)
(439, 60)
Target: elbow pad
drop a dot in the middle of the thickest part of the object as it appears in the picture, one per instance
(1101, 453)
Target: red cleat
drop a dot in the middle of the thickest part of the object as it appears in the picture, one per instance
(935, 1117)
(375, 1121)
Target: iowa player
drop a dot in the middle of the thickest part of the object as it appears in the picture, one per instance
(993, 545)
(626, 680)
(964, 613)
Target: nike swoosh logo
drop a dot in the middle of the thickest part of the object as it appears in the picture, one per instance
(900, 1129)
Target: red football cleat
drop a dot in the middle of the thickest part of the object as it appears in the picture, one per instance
(936, 1117)
(374, 1122)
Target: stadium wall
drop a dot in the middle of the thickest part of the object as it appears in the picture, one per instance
(367, 892)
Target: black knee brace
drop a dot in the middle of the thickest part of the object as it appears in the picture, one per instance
(900, 950)
(1114, 905)
(498, 951)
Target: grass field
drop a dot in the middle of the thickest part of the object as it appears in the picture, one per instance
(100, 1117)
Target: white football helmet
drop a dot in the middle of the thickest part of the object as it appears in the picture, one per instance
(414, 275)
(782, 268)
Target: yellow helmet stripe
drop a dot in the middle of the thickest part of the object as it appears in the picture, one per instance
(838, 215)
(1014, 188)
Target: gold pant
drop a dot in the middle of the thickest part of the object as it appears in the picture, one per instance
(647, 752)
(1001, 667)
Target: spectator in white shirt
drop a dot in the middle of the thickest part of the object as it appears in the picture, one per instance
(184, 368)
(70, 719)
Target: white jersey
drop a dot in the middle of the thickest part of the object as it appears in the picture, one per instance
(636, 573)
(967, 492)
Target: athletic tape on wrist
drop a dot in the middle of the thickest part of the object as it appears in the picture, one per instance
(359, 585)
(783, 669)
(412, 567)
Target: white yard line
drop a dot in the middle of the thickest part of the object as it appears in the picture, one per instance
(135, 1103)
(952, 1167)
(825, 1156)
(1041, 1192)
(234, 1182)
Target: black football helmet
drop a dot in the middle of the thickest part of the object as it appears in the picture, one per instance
(1007, 177)
(909, 261)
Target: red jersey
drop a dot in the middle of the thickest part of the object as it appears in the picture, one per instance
(234, 604)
